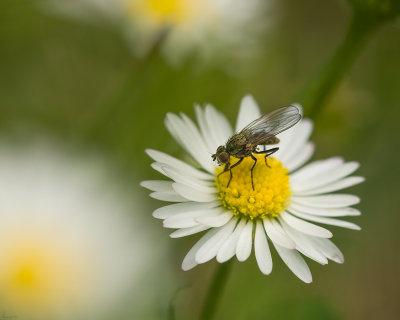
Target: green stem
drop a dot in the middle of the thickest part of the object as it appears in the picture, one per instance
(137, 72)
(318, 93)
(216, 290)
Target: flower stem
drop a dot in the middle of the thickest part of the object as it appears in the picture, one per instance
(216, 290)
(133, 81)
(319, 91)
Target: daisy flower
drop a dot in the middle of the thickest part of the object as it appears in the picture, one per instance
(211, 29)
(66, 251)
(289, 200)
(215, 31)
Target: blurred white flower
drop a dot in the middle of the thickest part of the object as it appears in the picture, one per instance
(67, 247)
(286, 195)
(214, 31)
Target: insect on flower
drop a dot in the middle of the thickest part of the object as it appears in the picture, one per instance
(260, 132)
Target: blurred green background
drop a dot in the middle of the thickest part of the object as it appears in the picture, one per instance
(79, 84)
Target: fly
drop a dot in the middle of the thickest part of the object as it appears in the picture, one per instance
(260, 132)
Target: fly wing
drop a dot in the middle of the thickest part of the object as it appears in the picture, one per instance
(272, 123)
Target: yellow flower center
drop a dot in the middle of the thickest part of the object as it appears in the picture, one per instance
(271, 187)
(164, 11)
(37, 275)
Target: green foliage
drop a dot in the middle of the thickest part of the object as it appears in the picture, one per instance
(78, 84)
(377, 9)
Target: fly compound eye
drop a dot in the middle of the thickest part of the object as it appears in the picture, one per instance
(223, 157)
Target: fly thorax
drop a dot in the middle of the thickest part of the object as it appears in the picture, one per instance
(236, 143)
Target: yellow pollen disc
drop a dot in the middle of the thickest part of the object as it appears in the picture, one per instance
(163, 11)
(38, 275)
(271, 187)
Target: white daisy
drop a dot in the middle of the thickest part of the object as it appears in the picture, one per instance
(238, 218)
(207, 28)
(67, 249)
(220, 31)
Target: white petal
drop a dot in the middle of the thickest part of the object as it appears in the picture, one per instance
(314, 169)
(189, 261)
(157, 185)
(158, 167)
(188, 129)
(170, 196)
(188, 219)
(329, 249)
(243, 248)
(277, 235)
(192, 127)
(301, 158)
(228, 249)
(334, 186)
(248, 112)
(210, 248)
(183, 167)
(177, 208)
(295, 262)
(180, 221)
(218, 125)
(300, 138)
(197, 184)
(333, 222)
(193, 194)
(212, 144)
(304, 245)
(305, 227)
(340, 212)
(196, 135)
(286, 138)
(330, 201)
(325, 178)
(190, 140)
(261, 250)
(215, 221)
(188, 231)
(225, 127)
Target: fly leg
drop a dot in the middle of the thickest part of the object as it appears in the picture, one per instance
(267, 153)
(251, 171)
(226, 168)
(230, 170)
